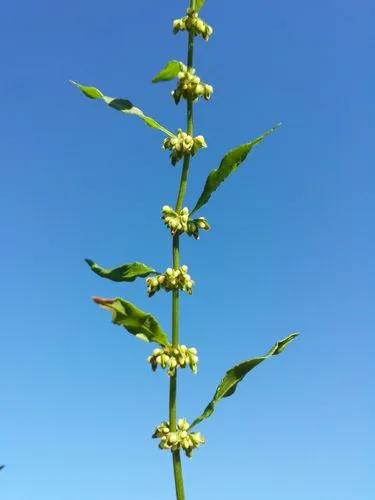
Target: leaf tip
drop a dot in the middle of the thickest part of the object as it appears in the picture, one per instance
(102, 301)
(294, 335)
(89, 262)
(91, 92)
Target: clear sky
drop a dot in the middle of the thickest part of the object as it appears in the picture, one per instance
(291, 248)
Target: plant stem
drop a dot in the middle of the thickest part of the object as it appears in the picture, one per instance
(177, 467)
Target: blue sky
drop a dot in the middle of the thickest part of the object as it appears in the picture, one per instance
(291, 248)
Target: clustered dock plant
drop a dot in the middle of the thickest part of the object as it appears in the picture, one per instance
(175, 434)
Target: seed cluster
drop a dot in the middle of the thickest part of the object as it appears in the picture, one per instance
(179, 222)
(181, 438)
(183, 144)
(192, 23)
(174, 357)
(190, 86)
(172, 279)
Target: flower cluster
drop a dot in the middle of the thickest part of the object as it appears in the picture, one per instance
(192, 23)
(174, 357)
(190, 86)
(183, 144)
(179, 222)
(181, 438)
(194, 225)
(172, 279)
(176, 221)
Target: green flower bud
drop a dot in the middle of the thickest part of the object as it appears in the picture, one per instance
(186, 443)
(200, 25)
(172, 438)
(163, 444)
(194, 359)
(197, 438)
(164, 360)
(208, 90)
(173, 363)
(183, 424)
(199, 89)
(182, 361)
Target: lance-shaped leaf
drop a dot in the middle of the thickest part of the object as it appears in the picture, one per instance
(231, 379)
(122, 105)
(126, 272)
(229, 164)
(170, 71)
(137, 322)
(199, 4)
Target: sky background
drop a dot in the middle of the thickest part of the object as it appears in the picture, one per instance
(291, 248)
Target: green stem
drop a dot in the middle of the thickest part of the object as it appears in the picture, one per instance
(177, 467)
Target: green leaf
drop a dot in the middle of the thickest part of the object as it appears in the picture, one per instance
(229, 164)
(231, 379)
(199, 4)
(90, 92)
(137, 322)
(170, 71)
(122, 105)
(126, 272)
